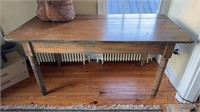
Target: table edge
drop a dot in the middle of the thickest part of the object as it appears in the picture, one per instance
(94, 41)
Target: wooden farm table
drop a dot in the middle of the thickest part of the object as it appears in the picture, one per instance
(143, 34)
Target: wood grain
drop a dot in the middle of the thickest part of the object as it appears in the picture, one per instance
(98, 47)
(168, 51)
(92, 84)
(159, 75)
(143, 59)
(37, 72)
(94, 28)
(28, 48)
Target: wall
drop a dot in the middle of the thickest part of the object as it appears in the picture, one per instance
(17, 12)
(1, 35)
(186, 13)
(85, 6)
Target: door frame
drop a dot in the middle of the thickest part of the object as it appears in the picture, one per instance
(102, 7)
(189, 88)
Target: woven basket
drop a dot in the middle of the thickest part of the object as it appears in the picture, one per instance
(55, 10)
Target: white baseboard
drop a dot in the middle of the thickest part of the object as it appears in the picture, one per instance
(180, 99)
(173, 77)
(184, 101)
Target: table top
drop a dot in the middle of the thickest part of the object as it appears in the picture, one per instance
(111, 28)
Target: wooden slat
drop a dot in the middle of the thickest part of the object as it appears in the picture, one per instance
(78, 47)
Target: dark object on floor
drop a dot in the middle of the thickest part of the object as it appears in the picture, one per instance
(193, 109)
(6, 48)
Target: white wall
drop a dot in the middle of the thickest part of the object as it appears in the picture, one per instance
(185, 13)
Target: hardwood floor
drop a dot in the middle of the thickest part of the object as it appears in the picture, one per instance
(74, 83)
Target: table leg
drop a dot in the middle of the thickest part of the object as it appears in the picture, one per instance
(159, 76)
(38, 75)
(28, 48)
(58, 59)
(143, 59)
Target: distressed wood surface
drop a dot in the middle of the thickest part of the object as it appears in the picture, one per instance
(159, 75)
(98, 47)
(113, 28)
(143, 59)
(58, 59)
(28, 48)
(168, 51)
(161, 69)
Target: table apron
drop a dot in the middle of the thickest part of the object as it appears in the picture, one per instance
(78, 47)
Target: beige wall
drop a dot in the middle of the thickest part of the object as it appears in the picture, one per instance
(85, 6)
(17, 12)
(186, 13)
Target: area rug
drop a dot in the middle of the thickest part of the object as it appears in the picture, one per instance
(183, 107)
(81, 108)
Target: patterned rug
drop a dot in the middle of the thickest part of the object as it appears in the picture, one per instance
(81, 108)
(183, 107)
